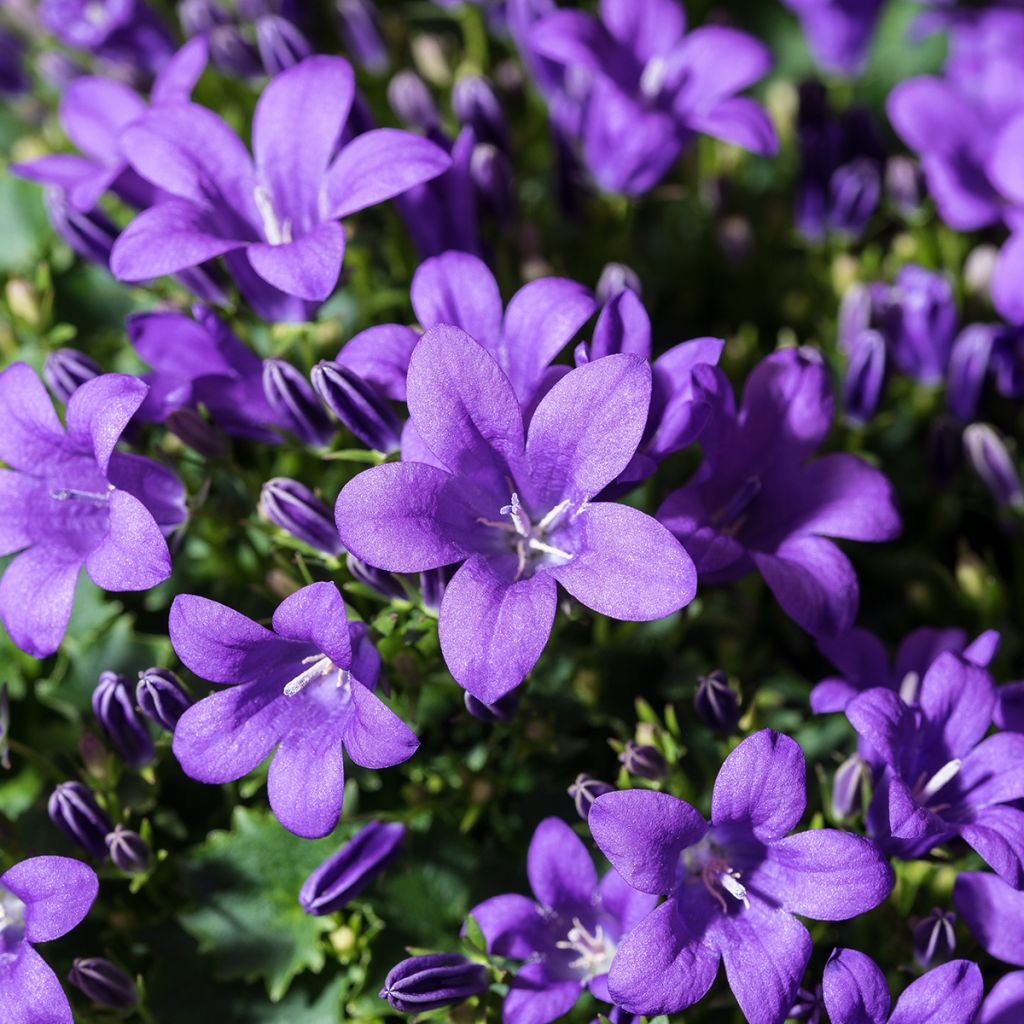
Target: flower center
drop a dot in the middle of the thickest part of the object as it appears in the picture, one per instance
(12, 922)
(277, 232)
(925, 790)
(730, 518)
(706, 861)
(528, 538)
(74, 494)
(596, 951)
(320, 667)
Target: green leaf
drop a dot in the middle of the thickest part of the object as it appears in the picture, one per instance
(243, 886)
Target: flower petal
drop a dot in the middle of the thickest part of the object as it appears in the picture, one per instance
(30, 433)
(561, 872)
(950, 994)
(627, 905)
(36, 594)
(855, 989)
(626, 564)
(316, 614)
(57, 893)
(997, 835)
(646, 27)
(380, 355)
(492, 631)
(1006, 278)
(178, 77)
(644, 833)
(308, 267)
(32, 993)
(993, 911)
(458, 288)
(100, 409)
(763, 783)
(1005, 1003)
(885, 722)
(512, 925)
(535, 998)
(958, 700)
(375, 737)
(133, 555)
(740, 122)
(622, 326)
(306, 783)
(16, 514)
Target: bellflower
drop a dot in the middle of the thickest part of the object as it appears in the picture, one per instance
(653, 86)
(856, 992)
(69, 500)
(733, 885)
(760, 502)
(104, 984)
(838, 32)
(937, 776)
(41, 899)
(994, 912)
(515, 508)
(863, 663)
(567, 934)
(305, 688)
(433, 980)
(275, 215)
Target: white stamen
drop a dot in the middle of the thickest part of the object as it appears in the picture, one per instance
(277, 232)
(909, 688)
(515, 512)
(653, 77)
(322, 666)
(73, 494)
(596, 951)
(731, 884)
(553, 516)
(945, 774)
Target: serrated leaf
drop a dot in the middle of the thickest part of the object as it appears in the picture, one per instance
(243, 886)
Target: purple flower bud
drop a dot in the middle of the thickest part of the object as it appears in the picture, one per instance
(968, 367)
(904, 184)
(233, 54)
(809, 1006)
(297, 510)
(617, 277)
(986, 452)
(67, 369)
(357, 25)
(643, 761)
(502, 710)
(412, 102)
(585, 790)
(91, 235)
(935, 938)
(476, 105)
(106, 985)
(193, 429)
(345, 874)
(199, 16)
(161, 698)
(386, 584)
(717, 702)
(865, 374)
(292, 399)
(358, 405)
(73, 809)
(281, 44)
(492, 178)
(925, 325)
(428, 982)
(848, 787)
(114, 710)
(854, 191)
(128, 850)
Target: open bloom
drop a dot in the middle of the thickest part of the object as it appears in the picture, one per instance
(567, 934)
(653, 86)
(760, 502)
(305, 689)
(41, 899)
(69, 500)
(733, 886)
(856, 992)
(274, 215)
(937, 775)
(515, 510)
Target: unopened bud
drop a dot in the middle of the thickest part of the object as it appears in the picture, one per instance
(161, 697)
(431, 981)
(73, 809)
(358, 405)
(585, 790)
(114, 709)
(104, 983)
(717, 702)
(128, 851)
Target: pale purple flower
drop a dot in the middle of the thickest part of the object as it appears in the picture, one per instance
(937, 776)
(838, 32)
(567, 934)
(653, 86)
(856, 992)
(759, 501)
(733, 885)
(274, 215)
(515, 507)
(304, 691)
(41, 899)
(69, 501)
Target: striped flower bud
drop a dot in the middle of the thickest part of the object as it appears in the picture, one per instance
(431, 981)
(297, 510)
(114, 709)
(161, 698)
(73, 809)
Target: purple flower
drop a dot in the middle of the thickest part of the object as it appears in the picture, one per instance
(990, 458)
(937, 776)
(1005, 1003)
(41, 899)
(433, 980)
(760, 502)
(69, 500)
(275, 217)
(114, 708)
(567, 934)
(305, 689)
(863, 663)
(856, 992)
(935, 937)
(74, 810)
(104, 983)
(994, 912)
(161, 698)
(197, 361)
(733, 886)
(653, 86)
(514, 507)
(838, 32)
(67, 369)
(294, 508)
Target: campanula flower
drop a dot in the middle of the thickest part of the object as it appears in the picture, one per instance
(275, 214)
(69, 501)
(41, 899)
(733, 885)
(433, 980)
(759, 501)
(653, 86)
(104, 983)
(113, 705)
(294, 508)
(303, 690)
(936, 775)
(161, 698)
(74, 810)
(567, 934)
(935, 937)
(515, 507)
(855, 989)
(839, 32)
